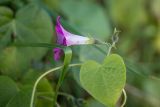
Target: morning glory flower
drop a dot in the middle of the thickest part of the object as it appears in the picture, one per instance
(66, 38)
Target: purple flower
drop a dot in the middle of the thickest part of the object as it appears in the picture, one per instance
(66, 38)
(58, 52)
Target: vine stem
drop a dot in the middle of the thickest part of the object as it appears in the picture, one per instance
(110, 48)
(43, 75)
(125, 98)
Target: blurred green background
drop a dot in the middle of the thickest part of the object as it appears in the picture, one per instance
(32, 21)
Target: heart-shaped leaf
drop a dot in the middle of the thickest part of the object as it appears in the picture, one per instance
(104, 82)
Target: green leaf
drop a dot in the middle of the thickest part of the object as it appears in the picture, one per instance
(44, 92)
(22, 99)
(93, 103)
(6, 16)
(90, 55)
(13, 61)
(35, 27)
(44, 89)
(8, 89)
(86, 16)
(30, 25)
(44, 86)
(104, 82)
(30, 77)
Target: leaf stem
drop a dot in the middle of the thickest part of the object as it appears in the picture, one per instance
(43, 75)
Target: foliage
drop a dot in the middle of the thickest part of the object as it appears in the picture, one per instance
(27, 38)
(104, 82)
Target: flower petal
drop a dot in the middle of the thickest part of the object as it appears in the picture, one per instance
(67, 39)
(58, 52)
(78, 40)
(60, 33)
